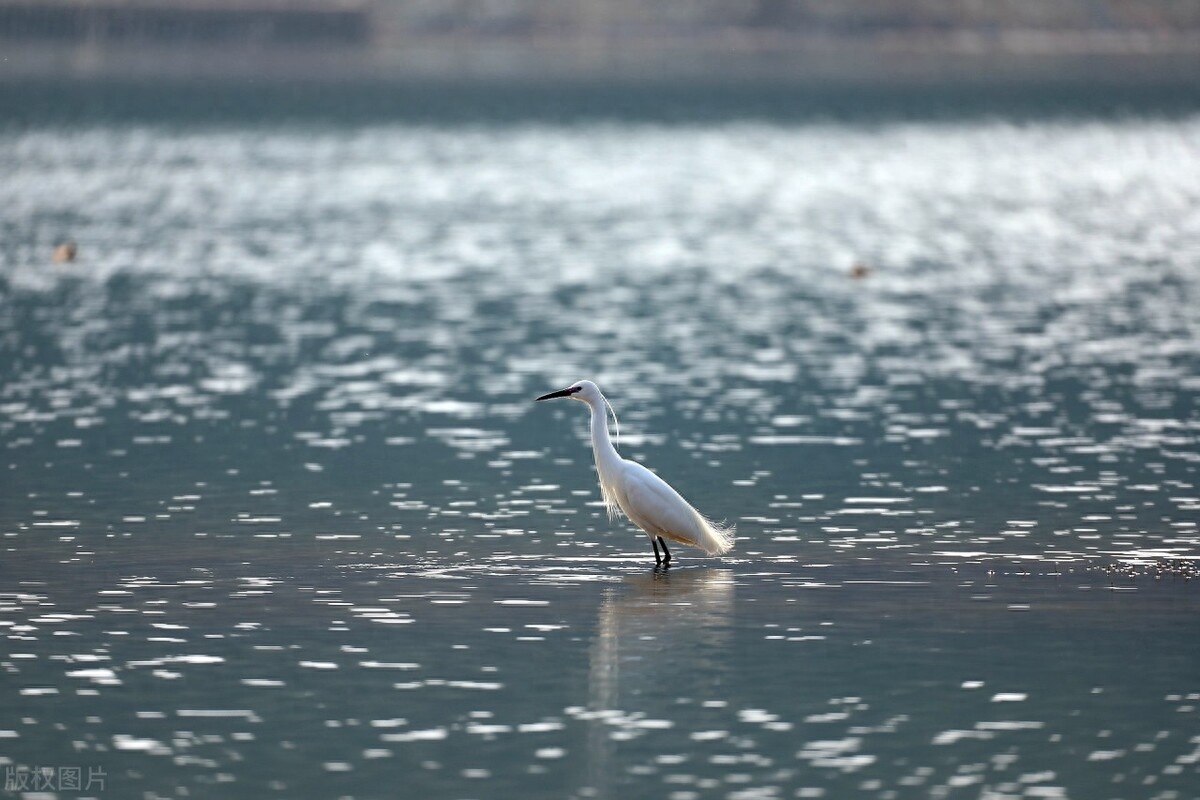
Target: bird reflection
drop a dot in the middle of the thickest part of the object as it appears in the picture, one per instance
(661, 636)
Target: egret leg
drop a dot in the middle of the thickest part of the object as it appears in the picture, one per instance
(663, 542)
(657, 557)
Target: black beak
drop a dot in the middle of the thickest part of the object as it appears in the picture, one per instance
(559, 393)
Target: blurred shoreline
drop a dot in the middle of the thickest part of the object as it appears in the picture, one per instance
(801, 62)
(799, 44)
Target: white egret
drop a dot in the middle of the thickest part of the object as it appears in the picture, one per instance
(648, 500)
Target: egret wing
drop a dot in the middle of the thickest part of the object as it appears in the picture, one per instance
(657, 508)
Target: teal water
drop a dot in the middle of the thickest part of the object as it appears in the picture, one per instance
(279, 518)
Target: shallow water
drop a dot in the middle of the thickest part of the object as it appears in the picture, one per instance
(279, 517)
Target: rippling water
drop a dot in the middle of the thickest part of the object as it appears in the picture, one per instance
(279, 517)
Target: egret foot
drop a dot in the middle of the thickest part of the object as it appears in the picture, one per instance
(658, 560)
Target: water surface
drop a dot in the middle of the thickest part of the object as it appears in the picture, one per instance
(279, 517)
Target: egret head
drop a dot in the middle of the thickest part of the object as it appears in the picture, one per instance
(585, 391)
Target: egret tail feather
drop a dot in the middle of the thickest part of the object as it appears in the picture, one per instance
(718, 537)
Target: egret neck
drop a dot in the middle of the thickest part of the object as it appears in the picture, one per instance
(606, 455)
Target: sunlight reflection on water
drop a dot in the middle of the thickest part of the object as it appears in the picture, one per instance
(280, 517)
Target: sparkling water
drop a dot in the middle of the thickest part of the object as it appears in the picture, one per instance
(279, 517)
